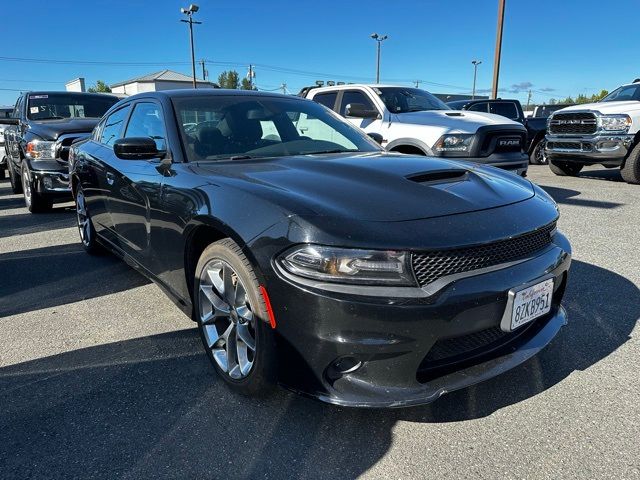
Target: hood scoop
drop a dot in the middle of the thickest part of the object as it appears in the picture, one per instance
(454, 114)
(440, 176)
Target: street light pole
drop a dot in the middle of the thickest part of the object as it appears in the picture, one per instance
(475, 72)
(496, 61)
(193, 8)
(379, 39)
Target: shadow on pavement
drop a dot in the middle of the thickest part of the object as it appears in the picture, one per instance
(49, 276)
(25, 223)
(609, 174)
(571, 197)
(152, 407)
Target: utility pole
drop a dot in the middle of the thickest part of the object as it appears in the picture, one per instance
(417, 83)
(251, 75)
(528, 99)
(498, 53)
(204, 71)
(475, 73)
(379, 39)
(284, 88)
(193, 8)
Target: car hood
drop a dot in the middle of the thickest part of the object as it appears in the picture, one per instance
(52, 129)
(604, 107)
(456, 121)
(372, 187)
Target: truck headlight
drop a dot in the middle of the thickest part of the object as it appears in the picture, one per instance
(41, 150)
(344, 265)
(454, 145)
(615, 123)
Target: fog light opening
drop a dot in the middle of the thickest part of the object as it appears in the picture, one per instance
(47, 182)
(343, 366)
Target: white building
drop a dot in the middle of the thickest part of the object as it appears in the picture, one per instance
(162, 80)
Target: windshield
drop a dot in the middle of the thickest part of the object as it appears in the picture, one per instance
(221, 127)
(628, 92)
(401, 100)
(68, 105)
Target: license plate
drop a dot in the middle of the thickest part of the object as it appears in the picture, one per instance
(531, 303)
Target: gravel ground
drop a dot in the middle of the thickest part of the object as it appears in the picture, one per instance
(101, 376)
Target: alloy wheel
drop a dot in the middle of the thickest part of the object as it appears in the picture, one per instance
(84, 222)
(226, 319)
(26, 188)
(540, 155)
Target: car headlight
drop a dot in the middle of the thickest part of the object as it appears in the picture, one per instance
(454, 145)
(344, 265)
(615, 123)
(41, 150)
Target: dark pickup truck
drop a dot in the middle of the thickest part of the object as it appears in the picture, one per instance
(512, 109)
(37, 138)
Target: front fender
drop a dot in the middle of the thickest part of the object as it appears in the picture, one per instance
(412, 142)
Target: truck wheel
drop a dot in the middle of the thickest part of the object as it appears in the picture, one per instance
(16, 185)
(631, 169)
(3, 173)
(233, 320)
(565, 169)
(538, 155)
(32, 199)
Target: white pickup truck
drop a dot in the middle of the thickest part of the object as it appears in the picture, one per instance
(605, 133)
(411, 120)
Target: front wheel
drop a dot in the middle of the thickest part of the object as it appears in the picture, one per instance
(33, 200)
(538, 155)
(232, 319)
(3, 173)
(631, 169)
(565, 169)
(85, 225)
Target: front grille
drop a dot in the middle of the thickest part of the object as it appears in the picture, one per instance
(453, 347)
(565, 145)
(498, 142)
(430, 266)
(579, 123)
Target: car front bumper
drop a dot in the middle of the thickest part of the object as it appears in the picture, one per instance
(607, 149)
(372, 352)
(50, 180)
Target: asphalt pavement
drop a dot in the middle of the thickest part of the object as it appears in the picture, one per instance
(101, 376)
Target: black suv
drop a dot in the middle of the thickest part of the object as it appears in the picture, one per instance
(37, 139)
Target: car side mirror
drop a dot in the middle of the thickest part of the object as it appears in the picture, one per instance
(376, 137)
(9, 121)
(136, 148)
(359, 110)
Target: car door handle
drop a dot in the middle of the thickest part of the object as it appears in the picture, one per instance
(110, 178)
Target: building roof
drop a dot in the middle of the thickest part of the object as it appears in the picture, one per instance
(166, 75)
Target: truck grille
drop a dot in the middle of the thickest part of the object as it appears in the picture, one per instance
(430, 266)
(499, 142)
(579, 123)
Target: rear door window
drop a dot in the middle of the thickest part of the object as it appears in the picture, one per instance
(506, 109)
(327, 99)
(478, 107)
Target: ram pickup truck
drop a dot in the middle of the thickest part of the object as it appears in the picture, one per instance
(37, 139)
(512, 109)
(413, 121)
(605, 133)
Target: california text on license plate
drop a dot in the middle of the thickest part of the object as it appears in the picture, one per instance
(531, 303)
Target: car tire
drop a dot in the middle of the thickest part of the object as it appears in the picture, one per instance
(233, 320)
(538, 155)
(565, 169)
(631, 169)
(3, 173)
(34, 202)
(85, 225)
(16, 185)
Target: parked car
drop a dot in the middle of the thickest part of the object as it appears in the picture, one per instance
(605, 133)
(512, 109)
(37, 140)
(3, 154)
(545, 111)
(311, 257)
(411, 120)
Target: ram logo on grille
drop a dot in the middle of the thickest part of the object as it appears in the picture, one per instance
(509, 142)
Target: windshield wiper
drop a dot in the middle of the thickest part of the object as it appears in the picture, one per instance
(329, 151)
(49, 118)
(240, 157)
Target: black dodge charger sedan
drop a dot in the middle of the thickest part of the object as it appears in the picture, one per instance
(310, 257)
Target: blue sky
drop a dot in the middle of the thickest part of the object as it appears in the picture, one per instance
(555, 48)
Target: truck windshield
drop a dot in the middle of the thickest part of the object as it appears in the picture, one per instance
(627, 92)
(402, 100)
(67, 105)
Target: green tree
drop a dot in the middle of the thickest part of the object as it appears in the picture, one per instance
(99, 87)
(229, 79)
(246, 84)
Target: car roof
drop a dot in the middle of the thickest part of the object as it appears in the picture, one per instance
(206, 92)
(65, 92)
(347, 86)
